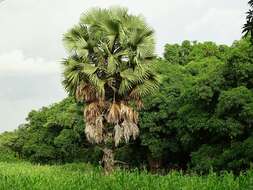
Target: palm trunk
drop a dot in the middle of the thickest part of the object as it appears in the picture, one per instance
(108, 160)
(154, 164)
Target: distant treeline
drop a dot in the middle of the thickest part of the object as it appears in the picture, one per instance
(200, 119)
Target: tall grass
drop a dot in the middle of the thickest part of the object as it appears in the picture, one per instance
(25, 176)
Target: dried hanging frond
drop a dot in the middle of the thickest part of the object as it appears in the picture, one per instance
(86, 92)
(134, 94)
(134, 130)
(139, 104)
(80, 93)
(123, 109)
(130, 115)
(127, 131)
(99, 122)
(118, 134)
(114, 114)
(135, 117)
(98, 135)
(91, 112)
(89, 132)
(126, 112)
(102, 102)
(130, 129)
(94, 132)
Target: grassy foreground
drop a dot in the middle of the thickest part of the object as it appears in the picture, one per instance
(19, 176)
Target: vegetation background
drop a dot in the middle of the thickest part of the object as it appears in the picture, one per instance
(201, 117)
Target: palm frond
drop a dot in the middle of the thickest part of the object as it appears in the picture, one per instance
(251, 3)
(248, 27)
(126, 131)
(146, 88)
(112, 64)
(137, 77)
(76, 72)
(86, 92)
(130, 129)
(94, 133)
(114, 114)
(77, 39)
(98, 84)
(92, 112)
(118, 134)
(125, 86)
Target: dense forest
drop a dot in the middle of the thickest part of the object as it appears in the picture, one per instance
(201, 118)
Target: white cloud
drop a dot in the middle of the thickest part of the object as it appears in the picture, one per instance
(222, 26)
(26, 83)
(15, 63)
(36, 26)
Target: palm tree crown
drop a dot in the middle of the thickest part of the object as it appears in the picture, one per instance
(248, 27)
(110, 69)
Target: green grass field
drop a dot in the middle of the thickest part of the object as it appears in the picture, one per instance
(19, 176)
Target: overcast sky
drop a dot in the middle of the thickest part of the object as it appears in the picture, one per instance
(31, 41)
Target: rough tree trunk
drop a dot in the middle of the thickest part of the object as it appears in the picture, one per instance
(108, 160)
(154, 164)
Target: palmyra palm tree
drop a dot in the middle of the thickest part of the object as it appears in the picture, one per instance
(109, 68)
(248, 27)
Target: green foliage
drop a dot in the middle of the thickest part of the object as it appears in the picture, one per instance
(203, 109)
(156, 131)
(233, 101)
(6, 141)
(52, 134)
(193, 51)
(235, 157)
